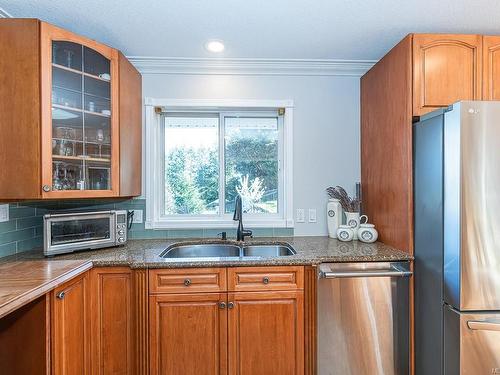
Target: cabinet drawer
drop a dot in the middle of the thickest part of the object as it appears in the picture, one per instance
(265, 278)
(187, 280)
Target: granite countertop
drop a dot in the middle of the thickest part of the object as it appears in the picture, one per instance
(310, 251)
(22, 281)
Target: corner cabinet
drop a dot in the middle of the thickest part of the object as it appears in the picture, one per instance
(62, 106)
(70, 327)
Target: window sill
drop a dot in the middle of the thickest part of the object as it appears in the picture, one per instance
(202, 224)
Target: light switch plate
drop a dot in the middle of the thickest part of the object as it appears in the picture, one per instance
(137, 217)
(312, 215)
(4, 212)
(301, 215)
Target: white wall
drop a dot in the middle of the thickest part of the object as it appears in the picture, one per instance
(326, 126)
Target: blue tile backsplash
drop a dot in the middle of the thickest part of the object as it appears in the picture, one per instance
(23, 231)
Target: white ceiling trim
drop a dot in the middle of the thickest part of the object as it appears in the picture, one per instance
(232, 66)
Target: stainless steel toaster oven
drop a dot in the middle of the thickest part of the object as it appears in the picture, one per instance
(69, 232)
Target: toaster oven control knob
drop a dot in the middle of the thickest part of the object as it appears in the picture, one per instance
(121, 239)
(121, 232)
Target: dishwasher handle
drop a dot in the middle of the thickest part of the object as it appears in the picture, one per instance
(393, 271)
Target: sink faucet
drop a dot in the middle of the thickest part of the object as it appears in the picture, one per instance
(238, 216)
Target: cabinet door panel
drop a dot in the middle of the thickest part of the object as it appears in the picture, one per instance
(70, 325)
(491, 67)
(188, 334)
(447, 68)
(111, 321)
(79, 112)
(266, 333)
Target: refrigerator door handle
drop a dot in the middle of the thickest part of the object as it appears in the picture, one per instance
(484, 325)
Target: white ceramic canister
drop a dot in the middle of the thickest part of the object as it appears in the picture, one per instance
(367, 233)
(345, 233)
(333, 216)
(353, 220)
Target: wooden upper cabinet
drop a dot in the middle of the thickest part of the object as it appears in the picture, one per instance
(111, 322)
(446, 69)
(491, 67)
(130, 116)
(188, 334)
(68, 105)
(80, 129)
(266, 333)
(70, 324)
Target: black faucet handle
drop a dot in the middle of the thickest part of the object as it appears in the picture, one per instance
(247, 233)
(222, 235)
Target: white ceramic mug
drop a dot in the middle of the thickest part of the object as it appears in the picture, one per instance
(353, 220)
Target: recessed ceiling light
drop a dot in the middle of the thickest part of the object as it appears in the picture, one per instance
(214, 46)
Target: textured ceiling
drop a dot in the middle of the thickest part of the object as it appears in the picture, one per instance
(280, 29)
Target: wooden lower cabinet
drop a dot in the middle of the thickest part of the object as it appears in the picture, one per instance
(188, 334)
(111, 321)
(70, 344)
(230, 331)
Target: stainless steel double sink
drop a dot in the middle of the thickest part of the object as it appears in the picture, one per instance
(227, 250)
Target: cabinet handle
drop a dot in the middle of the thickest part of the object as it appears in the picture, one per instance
(222, 305)
(230, 305)
(46, 188)
(187, 282)
(60, 295)
(265, 280)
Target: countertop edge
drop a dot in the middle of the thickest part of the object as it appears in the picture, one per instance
(34, 293)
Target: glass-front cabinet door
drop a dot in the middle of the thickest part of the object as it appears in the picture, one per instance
(79, 116)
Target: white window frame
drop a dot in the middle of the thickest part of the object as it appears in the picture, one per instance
(154, 163)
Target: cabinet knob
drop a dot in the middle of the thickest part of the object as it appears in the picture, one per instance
(60, 295)
(265, 280)
(46, 188)
(187, 282)
(222, 305)
(230, 305)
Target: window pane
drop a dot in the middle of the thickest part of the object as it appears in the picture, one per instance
(191, 165)
(251, 163)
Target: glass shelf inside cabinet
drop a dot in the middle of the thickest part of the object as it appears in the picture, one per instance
(81, 118)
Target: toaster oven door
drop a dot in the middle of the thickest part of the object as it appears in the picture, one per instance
(67, 233)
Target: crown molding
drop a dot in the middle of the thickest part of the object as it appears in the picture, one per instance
(231, 66)
(4, 14)
(248, 66)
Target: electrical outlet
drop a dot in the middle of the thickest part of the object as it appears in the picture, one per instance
(4, 212)
(137, 217)
(312, 215)
(301, 215)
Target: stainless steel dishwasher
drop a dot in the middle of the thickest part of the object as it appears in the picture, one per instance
(363, 318)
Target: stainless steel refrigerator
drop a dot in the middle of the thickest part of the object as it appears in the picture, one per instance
(457, 240)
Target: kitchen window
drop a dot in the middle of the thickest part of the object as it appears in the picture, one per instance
(204, 157)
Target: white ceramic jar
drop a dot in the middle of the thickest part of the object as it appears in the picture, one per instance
(333, 216)
(367, 233)
(345, 233)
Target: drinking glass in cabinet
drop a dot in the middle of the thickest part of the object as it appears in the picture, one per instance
(67, 54)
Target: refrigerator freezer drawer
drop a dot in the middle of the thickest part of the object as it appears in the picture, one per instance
(363, 319)
(472, 343)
